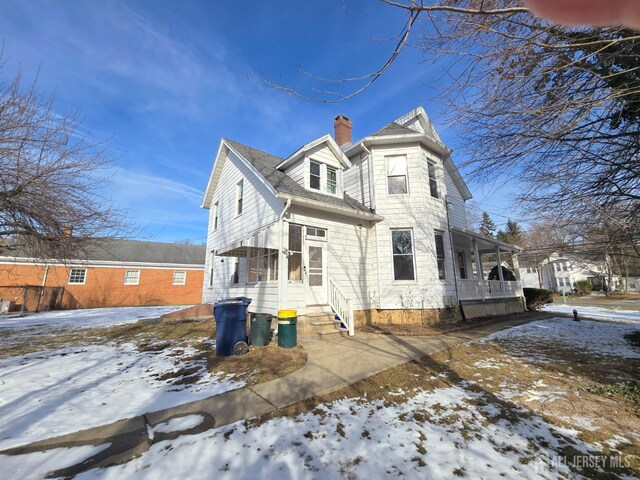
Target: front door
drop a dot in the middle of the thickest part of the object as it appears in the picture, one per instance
(316, 272)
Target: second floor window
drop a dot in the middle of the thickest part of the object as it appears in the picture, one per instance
(397, 175)
(433, 182)
(215, 216)
(239, 196)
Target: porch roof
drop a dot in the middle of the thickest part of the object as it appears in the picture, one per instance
(268, 237)
(464, 238)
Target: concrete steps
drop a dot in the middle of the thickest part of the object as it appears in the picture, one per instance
(320, 320)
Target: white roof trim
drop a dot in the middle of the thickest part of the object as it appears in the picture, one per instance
(347, 212)
(100, 263)
(328, 139)
(217, 171)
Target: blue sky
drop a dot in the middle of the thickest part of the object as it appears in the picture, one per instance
(163, 81)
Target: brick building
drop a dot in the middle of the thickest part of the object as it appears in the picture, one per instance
(112, 273)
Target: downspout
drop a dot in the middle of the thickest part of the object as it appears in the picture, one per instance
(372, 188)
(44, 282)
(281, 255)
(372, 206)
(453, 256)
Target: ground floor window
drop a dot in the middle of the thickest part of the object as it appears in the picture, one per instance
(179, 278)
(262, 265)
(132, 277)
(402, 249)
(77, 276)
(442, 272)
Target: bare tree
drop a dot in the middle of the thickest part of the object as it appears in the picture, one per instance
(556, 108)
(51, 179)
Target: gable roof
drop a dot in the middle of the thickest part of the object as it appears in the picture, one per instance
(266, 165)
(133, 251)
(393, 129)
(328, 141)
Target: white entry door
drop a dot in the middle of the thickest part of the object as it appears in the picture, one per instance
(316, 272)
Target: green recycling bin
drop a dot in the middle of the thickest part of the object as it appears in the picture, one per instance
(287, 328)
(260, 329)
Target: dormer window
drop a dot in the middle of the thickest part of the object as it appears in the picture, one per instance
(323, 178)
(314, 175)
(332, 180)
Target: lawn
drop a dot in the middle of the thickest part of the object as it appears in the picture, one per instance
(66, 376)
(549, 399)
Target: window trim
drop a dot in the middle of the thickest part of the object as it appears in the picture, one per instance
(84, 276)
(184, 281)
(413, 256)
(335, 182)
(239, 197)
(406, 174)
(137, 277)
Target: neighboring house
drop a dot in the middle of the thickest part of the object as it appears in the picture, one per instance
(111, 273)
(375, 229)
(561, 272)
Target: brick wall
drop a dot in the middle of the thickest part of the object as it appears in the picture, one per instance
(104, 286)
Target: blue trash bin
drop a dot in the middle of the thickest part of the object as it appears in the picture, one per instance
(231, 327)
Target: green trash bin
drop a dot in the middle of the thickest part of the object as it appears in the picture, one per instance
(287, 328)
(260, 329)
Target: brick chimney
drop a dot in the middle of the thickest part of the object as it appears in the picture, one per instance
(342, 129)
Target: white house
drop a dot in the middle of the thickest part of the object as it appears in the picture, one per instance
(561, 272)
(374, 230)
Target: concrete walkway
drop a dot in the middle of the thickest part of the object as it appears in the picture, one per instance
(331, 364)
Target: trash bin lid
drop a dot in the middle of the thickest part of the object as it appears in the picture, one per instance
(234, 301)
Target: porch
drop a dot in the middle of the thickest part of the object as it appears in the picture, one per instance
(472, 281)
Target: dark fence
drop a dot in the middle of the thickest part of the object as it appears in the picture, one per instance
(33, 298)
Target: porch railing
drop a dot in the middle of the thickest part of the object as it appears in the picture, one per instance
(472, 289)
(342, 306)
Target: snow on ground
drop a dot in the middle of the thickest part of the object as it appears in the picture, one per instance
(51, 393)
(448, 433)
(616, 315)
(87, 318)
(605, 338)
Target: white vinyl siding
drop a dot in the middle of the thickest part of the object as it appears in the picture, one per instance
(356, 180)
(260, 208)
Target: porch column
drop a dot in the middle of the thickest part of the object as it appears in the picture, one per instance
(499, 261)
(479, 272)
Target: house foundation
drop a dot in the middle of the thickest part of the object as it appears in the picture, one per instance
(492, 307)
